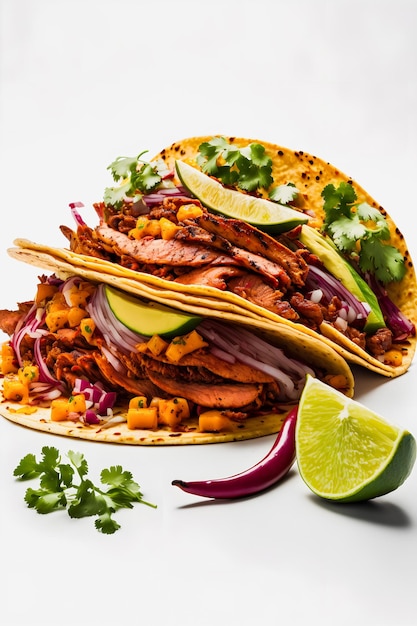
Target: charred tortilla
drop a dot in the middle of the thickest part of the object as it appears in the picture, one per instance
(328, 364)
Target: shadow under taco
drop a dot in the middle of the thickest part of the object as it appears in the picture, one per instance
(90, 360)
(279, 234)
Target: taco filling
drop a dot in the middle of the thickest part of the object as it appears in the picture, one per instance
(174, 237)
(69, 350)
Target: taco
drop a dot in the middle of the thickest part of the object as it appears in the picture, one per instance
(279, 234)
(86, 359)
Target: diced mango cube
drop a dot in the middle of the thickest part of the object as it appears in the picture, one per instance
(393, 357)
(168, 228)
(157, 345)
(44, 292)
(77, 404)
(138, 402)
(59, 410)
(171, 412)
(146, 418)
(75, 315)
(184, 344)
(214, 421)
(189, 211)
(87, 327)
(28, 374)
(15, 390)
(145, 227)
(57, 319)
(9, 363)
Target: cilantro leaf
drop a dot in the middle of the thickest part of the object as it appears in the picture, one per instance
(57, 489)
(137, 178)
(28, 468)
(359, 231)
(45, 501)
(382, 260)
(248, 168)
(284, 194)
(106, 524)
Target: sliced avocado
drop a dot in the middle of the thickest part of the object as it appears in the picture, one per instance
(343, 271)
(149, 318)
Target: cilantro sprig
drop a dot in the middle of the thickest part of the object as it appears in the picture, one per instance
(360, 232)
(248, 168)
(137, 177)
(57, 489)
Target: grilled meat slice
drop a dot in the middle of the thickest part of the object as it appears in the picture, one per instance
(83, 241)
(211, 276)
(10, 319)
(273, 272)
(158, 251)
(250, 238)
(113, 377)
(254, 289)
(219, 396)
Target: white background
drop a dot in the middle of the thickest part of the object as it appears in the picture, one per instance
(83, 82)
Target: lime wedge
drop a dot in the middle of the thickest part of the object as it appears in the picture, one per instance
(149, 318)
(345, 451)
(264, 214)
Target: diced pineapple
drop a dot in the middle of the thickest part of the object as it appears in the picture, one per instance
(184, 344)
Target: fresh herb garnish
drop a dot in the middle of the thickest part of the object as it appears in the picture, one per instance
(284, 194)
(249, 168)
(137, 177)
(57, 489)
(359, 231)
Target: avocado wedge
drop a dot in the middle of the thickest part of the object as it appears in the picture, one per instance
(343, 271)
(149, 318)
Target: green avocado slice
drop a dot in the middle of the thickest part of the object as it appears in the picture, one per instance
(149, 318)
(343, 271)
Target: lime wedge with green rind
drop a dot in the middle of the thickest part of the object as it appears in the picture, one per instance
(260, 212)
(345, 451)
(149, 318)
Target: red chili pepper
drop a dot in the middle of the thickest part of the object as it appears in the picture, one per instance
(265, 473)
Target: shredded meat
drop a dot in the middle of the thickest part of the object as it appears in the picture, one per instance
(381, 341)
